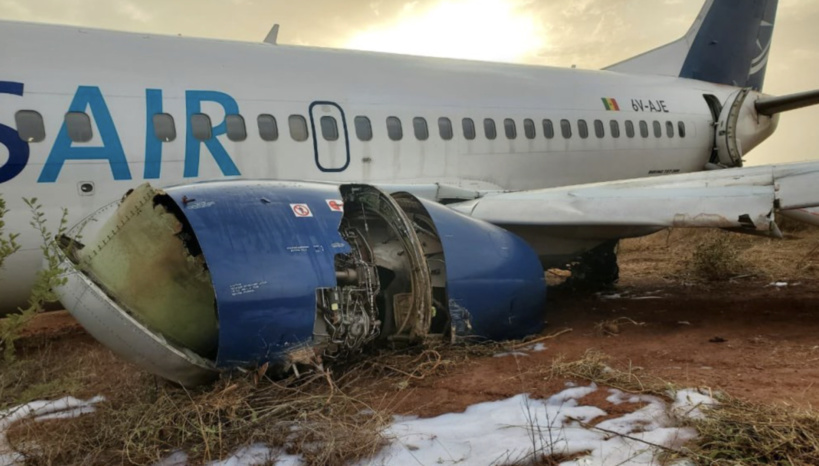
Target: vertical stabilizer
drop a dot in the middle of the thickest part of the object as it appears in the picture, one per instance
(728, 43)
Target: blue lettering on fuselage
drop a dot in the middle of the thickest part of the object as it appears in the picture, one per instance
(153, 146)
(193, 103)
(89, 100)
(88, 97)
(18, 150)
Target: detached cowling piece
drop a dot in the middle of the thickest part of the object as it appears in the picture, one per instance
(197, 279)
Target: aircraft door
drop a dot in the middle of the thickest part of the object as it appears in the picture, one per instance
(331, 143)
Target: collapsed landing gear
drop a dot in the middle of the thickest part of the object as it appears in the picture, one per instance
(596, 269)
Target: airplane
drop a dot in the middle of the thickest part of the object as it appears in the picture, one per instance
(254, 204)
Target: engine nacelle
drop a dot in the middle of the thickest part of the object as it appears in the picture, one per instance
(197, 279)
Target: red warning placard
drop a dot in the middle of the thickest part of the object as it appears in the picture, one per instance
(301, 210)
(336, 205)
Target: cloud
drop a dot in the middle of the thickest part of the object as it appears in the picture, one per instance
(498, 30)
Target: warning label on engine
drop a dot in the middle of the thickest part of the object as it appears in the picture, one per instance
(336, 205)
(301, 210)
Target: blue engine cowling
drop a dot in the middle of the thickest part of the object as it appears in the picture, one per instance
(302, 272)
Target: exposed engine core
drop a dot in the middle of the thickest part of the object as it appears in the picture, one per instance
(197, 279)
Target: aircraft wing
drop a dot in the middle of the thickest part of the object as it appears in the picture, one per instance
(743, 199)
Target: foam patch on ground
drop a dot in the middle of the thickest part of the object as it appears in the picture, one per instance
(64, 408)
(521, 428)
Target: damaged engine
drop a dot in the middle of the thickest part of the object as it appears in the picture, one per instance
(198, 279)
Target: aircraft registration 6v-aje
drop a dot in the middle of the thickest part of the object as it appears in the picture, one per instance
(277, 205)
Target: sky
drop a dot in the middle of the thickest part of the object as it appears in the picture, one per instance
(589, 34)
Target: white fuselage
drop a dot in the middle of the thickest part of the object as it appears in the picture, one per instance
(122, 80)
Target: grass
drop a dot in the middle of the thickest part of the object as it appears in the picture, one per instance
(738, 432)
(147, 421)
(716, 258)
(693, 255)
(330, 417)
(327, 417)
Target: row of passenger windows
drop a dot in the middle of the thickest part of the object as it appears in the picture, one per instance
(31, 128)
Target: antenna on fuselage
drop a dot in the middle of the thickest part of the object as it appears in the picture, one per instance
(273, 35)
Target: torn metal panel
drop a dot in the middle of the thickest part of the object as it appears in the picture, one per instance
(145, 257)
(126, 336)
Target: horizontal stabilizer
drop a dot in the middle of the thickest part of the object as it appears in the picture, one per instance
(772, 105)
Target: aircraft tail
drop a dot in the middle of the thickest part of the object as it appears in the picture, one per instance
(728, 43)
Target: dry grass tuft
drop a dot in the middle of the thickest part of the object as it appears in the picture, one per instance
(595, 366)
(716, 258)
(722, 256)
(739, 432)
(148, 422)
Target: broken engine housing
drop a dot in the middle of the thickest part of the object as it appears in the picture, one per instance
(196, 279)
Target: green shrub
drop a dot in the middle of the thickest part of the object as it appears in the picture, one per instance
(716, 258)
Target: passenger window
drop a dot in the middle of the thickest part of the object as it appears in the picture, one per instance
(599, 130)
(363, 128)
(644, 129)
(445, 128)
(394, 129)
(298, 128)
(268, 129)
(30, 125)
(582, 129)
(236, 129)
(419, 125)
(630, 128)
(658, 129)
(681, 128)
(164, 127)
(548, 129)
(78, 125)
(529, 128)
(510, 128)
(614, 125)
(669, 129)
(489, 128)
(469, 128)
(329, 128)
(566, 128)
(201, 126)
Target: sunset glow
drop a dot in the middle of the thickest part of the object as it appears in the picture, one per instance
(495, 30)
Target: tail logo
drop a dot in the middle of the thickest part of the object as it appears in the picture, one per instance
(759, 62)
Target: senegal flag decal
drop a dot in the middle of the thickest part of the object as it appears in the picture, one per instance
(611, 104)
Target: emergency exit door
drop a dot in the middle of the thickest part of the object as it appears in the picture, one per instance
(331, 143)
